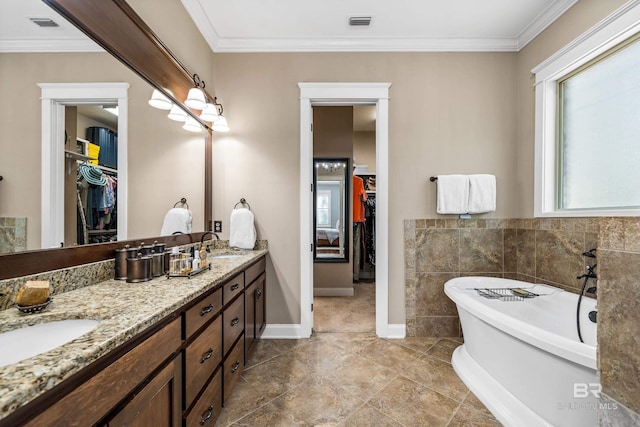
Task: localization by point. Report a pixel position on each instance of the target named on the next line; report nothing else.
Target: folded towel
(242, 232)
(176, 220)
(482, 193)
(453, 194)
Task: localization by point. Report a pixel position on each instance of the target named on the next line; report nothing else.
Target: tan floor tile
(473, 400)
(443, 349)
(317, 402)
(360, 377)
(346, 314)
(368, 416)
(413, 404)
(320, 356)
(269, 415)
(468, 416)
(268, 349)
(389, 354)
(437, 375)
(351, 342)
(420, 344)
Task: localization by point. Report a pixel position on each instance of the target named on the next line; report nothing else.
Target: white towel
(482, 193)
(242, 232)
(453, 194)
(177, 219)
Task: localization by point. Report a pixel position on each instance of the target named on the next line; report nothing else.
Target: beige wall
(165, 162)
(582, 16)
(364, 149)
(440, 121)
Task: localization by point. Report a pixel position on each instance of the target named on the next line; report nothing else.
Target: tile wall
(533, 250)
(13, 235)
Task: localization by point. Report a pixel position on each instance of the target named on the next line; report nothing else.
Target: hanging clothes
(359, 197)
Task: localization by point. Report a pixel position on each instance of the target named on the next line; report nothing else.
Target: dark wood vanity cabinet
(177, 373)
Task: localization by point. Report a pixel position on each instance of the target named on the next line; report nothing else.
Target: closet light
(221, 125)
(210, 113)
(196, 99)
(160, 101)
(177, 114)
(192, 125)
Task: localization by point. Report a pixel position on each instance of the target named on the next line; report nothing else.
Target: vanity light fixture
(160, 101)
(221, 125)
(210, 113)
(192, 125)
(177, 114)
(196, 99)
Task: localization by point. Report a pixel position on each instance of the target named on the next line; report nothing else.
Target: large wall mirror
(331, 220)
(161, 154)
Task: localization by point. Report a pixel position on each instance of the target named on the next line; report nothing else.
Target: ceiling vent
(44, 22)
(359, 21)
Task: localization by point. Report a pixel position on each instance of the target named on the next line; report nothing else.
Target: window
(588, 123)
(599, 132)
(323, 209)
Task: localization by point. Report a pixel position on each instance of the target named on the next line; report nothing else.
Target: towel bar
(182, 201)
(433, 178)
(242, 201)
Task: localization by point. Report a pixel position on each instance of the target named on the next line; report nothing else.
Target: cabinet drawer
(233, 366)
(202, 357)
(255, 270)
(233, 323)
(232, 288)
(207, 409)
(202, 312)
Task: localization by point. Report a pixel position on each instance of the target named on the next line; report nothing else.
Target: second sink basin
(226, 256)
(23, 343)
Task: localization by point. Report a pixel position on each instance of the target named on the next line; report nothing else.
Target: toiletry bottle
(203, 257)
(195, 264)
(175, 262)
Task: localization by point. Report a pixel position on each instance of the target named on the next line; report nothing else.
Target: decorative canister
(121, 261)
(157, 264)
(139, 268)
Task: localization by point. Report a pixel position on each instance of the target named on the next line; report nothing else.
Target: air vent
(44, 22)
(359, 21)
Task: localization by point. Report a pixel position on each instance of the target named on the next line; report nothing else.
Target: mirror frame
(140, 49)
(345, 210)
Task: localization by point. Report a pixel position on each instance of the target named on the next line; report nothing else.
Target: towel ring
(242, 201)
(182, 201)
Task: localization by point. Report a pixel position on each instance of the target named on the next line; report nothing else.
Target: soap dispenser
(196, 261)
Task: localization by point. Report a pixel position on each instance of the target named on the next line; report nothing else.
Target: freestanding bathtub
(523, 359)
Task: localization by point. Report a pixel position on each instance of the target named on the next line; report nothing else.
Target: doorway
(55, 97)
(312, 94)
(344, 146)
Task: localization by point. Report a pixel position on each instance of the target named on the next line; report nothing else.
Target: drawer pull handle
(207, 356)
(258, 293)
(235, 366)
(235, 286)
(235, 321)
(207, 416)
(206, 310)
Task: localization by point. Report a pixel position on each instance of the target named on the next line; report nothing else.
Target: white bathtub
(523, 359)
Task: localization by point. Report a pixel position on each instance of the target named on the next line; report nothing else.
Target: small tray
(191, 273)
(30, 309)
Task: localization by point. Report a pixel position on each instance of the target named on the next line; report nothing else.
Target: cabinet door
(249, 317)
(157, 404)
(261, 305)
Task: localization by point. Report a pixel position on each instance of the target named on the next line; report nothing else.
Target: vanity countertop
(123, 309)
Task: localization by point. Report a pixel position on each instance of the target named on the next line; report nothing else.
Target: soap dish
(30, 309)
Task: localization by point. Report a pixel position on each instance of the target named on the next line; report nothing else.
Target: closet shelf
(77, 156)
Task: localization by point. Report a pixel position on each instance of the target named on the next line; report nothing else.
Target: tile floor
(353, 378)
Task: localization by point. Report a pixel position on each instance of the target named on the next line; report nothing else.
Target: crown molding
(196, 11)
(542, 21)
(49, 45)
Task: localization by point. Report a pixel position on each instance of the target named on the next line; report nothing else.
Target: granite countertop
(123, 309)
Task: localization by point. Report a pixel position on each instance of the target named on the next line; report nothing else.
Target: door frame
(55, 96)
(344, 94)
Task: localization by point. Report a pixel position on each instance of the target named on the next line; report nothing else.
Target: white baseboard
(397, 331)
(333, 292)
(292, 331)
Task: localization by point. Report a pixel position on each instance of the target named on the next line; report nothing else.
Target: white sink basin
(227, 256)
(20, 344)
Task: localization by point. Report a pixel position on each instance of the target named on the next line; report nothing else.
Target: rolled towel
(242, 232)
(482, 193)
(177, 220)
(453, 194)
